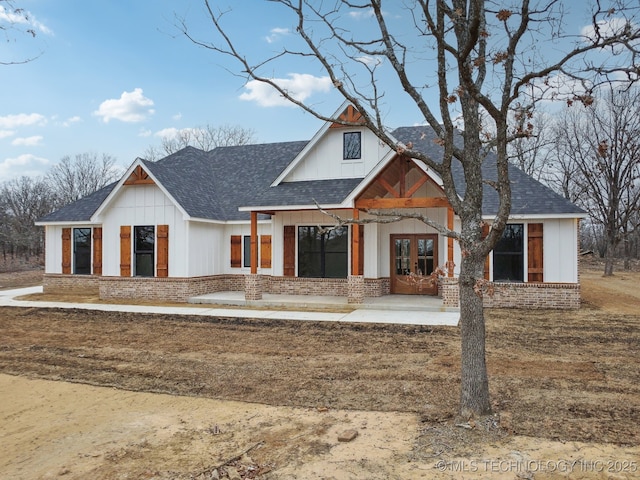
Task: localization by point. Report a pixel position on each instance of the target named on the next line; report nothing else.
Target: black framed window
(323, 255)
(82, 251)
(144, 250)
(247, 251)
(352, 146)
(508, 255)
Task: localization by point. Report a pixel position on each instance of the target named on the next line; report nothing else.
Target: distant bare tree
(601, 144)
(205, 138)
(23, 201)
(532, 152)
(77, 177)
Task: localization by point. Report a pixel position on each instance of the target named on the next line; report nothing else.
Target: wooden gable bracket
(139, 177)
(402, 193)
(351, 116)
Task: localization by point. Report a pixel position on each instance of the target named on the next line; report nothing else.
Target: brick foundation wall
(377, 287)
(448, 291)
(81, 284)
(534, 296)
(305, 286)
(167, 289)
(519, 295)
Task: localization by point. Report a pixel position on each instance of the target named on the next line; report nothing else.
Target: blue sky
(113, 75)
(110, 76)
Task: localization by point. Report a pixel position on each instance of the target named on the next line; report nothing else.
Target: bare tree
(602, 141)
(483, 60)
(23, 201)
(205, 138)
(14, 23)
(532, 153)
(77, 177)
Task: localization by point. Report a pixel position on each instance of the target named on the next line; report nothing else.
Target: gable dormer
(338, 150)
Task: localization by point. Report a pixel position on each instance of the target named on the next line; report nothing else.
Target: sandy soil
(268, 400)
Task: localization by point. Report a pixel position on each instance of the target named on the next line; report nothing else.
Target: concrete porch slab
(418, 303)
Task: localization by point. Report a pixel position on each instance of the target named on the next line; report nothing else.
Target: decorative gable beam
(350, 116)
(139, 177)
(390, 203)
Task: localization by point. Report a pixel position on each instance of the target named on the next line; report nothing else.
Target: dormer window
(352, 146)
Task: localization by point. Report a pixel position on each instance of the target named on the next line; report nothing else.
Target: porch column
(355, 281)
(450, 263)
(254, 243)
(253, 287)
(253, 282)
(355, 244)
(355, 286)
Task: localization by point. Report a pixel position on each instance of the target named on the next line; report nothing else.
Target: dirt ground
(238, 398)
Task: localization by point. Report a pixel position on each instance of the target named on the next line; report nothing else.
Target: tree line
(24, 200)
(590, 153)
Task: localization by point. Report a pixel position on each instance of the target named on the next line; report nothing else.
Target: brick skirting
(506, 295)
(168, 289)
(58, 283)
(519, 295)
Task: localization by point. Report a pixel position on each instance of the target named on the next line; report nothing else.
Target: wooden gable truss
(395, 187)
(139, 177)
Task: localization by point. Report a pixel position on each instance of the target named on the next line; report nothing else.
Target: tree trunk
(627, 253)
(609, 256)
(474, 391)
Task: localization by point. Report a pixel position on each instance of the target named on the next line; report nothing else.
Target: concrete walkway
(370, 314)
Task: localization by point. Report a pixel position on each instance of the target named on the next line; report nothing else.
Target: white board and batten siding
(560, 245)
(324, 161)
(140, 205)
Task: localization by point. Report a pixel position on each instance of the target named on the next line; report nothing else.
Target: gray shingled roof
(213, 185)
(81, 210)
(528, 196)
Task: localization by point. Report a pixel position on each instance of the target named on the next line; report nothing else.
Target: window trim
(521, 254)
(322, 253)
(89, 253)
(345, 144)
(137, 252)
(246, 251)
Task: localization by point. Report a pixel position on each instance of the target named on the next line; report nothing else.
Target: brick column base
(355, 287)
(450, 292)
(252, 287)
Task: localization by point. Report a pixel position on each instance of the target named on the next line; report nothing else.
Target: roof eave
(284, 208)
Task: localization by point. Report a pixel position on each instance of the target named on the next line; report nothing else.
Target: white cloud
(299, 85)
(131, 107)
(177, 116)
(7, 133)
(173, 133)
(23, 18)
(557, 87)
(70, 121)
(22, 120)
(27, 141)
(360, 13)
(167, 133)
(606, 28)
(369, 60)
(145, 132)
(276, 33)
(26, 164)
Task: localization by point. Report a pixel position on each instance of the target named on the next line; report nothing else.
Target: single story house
(246, 218)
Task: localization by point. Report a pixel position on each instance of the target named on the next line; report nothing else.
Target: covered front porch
(397, 253)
